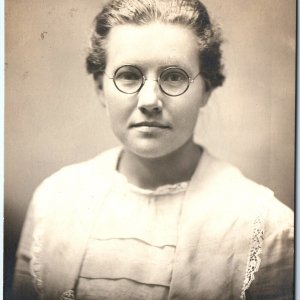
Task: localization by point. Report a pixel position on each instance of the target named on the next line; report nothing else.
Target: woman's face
(150, 123)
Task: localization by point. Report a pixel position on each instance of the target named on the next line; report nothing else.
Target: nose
(148, 98)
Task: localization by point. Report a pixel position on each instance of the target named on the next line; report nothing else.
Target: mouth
(154, 124)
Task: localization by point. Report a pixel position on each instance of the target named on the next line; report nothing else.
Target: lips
(151, 124)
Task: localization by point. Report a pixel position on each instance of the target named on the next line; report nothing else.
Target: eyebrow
(162, 65)
(163, 62)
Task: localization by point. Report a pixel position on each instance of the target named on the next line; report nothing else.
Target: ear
(99, 89)
(205, 97)
(205, 93)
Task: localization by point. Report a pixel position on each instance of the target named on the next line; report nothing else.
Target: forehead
(152, 45)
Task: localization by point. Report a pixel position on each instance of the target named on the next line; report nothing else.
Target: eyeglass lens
(172, 81)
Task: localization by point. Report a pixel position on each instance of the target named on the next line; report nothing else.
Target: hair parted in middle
(189, 13)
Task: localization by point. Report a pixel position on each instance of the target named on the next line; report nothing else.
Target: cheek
(187, 115)
(119, 109)
(116, 114)
(189, 120)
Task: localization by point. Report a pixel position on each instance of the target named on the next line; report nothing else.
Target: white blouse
(131, 249)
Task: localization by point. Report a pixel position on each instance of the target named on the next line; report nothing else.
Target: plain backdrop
(53, 116)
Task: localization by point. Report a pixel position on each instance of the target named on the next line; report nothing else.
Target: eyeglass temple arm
(193, 79)
(108, 76)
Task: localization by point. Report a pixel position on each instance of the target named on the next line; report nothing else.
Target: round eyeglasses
(172, 81)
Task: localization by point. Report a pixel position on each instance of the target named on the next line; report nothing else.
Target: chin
(149, 152)
(152, 150)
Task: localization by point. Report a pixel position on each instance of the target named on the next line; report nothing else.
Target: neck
(150, 173)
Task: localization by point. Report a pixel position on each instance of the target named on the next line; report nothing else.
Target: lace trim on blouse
(68, 295)
(161, 190)
(35, 266)
(255, 251)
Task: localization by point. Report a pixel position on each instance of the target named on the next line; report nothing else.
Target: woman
(160, 218)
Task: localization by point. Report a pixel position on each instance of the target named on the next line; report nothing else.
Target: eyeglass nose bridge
(152, 79)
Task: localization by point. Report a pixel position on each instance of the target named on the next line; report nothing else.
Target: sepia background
(53, 116)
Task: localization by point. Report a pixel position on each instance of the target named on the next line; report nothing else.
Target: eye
(128, 75)
(174, 77)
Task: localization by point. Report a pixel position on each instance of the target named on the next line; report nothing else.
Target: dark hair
(190, 13)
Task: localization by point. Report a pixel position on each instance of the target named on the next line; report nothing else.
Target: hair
(190, 13)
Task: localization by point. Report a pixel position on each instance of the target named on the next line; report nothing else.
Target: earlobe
(102, 99)
(101, 96)
(206, 93)
(99, 89)
(207, 96)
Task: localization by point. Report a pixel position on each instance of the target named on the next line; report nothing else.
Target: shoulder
(223, 181)
(239, 196)
(227, 177)
(83, 172)
(68, 184)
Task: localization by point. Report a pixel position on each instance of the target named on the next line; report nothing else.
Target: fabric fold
(129, 259)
